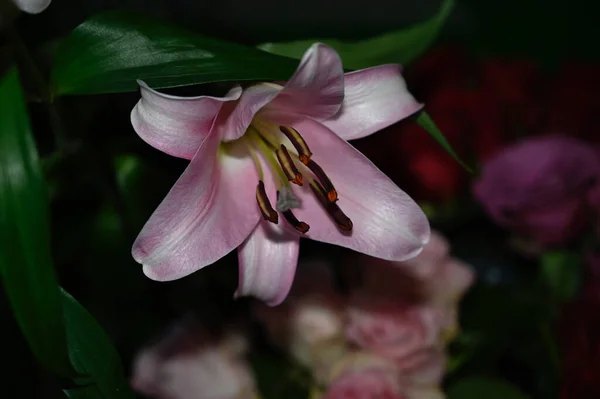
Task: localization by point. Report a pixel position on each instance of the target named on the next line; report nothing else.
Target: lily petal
(32, 6)
(374, 98)
(235, 118)
(316, 89)
(209, 212)
(176, 125)
(388, 224)
(267, 264)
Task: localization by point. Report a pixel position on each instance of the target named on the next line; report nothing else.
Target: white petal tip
(161, 274)
(32, 7)
(151, 273)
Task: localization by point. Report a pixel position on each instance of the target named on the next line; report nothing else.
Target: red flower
(479, 107)
(571, 101)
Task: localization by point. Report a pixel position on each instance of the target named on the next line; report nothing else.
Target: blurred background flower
(400, 317)
(540, 188)
(188, 363)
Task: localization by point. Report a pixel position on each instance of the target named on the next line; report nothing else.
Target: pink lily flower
(273, 150)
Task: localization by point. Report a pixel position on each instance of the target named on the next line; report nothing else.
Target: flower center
(264, 139)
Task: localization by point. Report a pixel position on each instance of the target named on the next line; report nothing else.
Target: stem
(105, 170)
(550, 342)
(28, 65)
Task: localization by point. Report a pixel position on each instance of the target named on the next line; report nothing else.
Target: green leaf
(107, 53)
(87, 392)
(93, 354)
(278, 378)
(425, 121)
(561, 272)
(25, 259)
(401, 46)
(483, 387)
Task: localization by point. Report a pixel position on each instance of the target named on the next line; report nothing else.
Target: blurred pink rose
(366, 384)
(364, 375)
(426, 367)
(427, 264)
(538, 187)
(309, 324)
(392, 329)
(433, 280)
(408, 311)
(186, 365)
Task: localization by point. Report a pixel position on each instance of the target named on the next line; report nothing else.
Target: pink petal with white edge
(374, 98)
(388, 224)
(234, 119)
(316, 89)
(176, 125)
(267, 264)
(209, 212)
(32, 6)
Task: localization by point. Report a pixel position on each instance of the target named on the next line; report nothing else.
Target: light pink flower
(366, 384)
(393, 329)
(425, 367)
(363, 375)
(451, 282)
(309, 324)
(32, 6)
(184, 365)
(232, 143)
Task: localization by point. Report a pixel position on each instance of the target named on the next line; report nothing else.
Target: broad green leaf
(561, 272)
(483, 387)
(425, 121)
(93, 354)
(401, 46)
(107, 53)
(25, 260)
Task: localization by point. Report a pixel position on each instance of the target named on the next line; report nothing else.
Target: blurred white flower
(186, 365)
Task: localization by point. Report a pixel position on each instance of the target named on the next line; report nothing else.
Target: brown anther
(291, 219)
(342, 221)
(264, 204)
(287, 164)
(330, 191)
(298, 142)
(339, 217)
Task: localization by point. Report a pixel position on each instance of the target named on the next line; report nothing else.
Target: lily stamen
(339, 217)
(298, 142)
(264, 204)
(330, 191)
(265, 148)
(287, 164)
